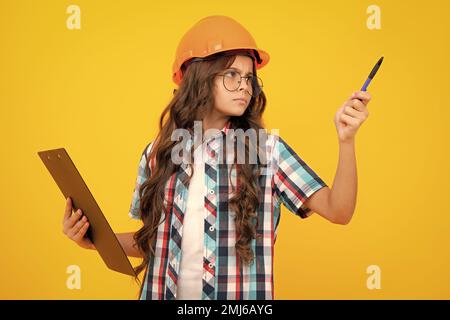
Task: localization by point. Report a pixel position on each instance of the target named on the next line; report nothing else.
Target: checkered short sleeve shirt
(286, 180)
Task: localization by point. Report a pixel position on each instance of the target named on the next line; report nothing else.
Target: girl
(209, 227)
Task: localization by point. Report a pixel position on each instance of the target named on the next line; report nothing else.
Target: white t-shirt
(190, 278)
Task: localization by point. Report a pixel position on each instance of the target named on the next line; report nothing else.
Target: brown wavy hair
(190, 103)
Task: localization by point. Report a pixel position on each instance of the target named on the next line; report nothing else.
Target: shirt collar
(224, 131)
(212, 142)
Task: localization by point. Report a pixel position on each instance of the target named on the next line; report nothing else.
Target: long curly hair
(190, 103)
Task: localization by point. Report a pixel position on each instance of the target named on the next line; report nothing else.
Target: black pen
(372, 74)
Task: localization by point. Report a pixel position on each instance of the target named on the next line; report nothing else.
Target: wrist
(347, 142)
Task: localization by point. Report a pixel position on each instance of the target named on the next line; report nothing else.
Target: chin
(236, 111)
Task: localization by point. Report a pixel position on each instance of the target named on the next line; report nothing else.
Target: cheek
(224, 104)
(221, 98)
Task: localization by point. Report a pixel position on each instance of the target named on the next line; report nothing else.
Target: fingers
(364, 96)
(74, 230)
(68, 210)
(81, 232)
(358, 106)
(70, 222)
(348, 120)
(76, 225)
(351, 111)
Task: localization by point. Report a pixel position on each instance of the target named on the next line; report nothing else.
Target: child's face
(225, 102)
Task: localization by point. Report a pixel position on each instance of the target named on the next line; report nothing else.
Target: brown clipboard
(71, 184)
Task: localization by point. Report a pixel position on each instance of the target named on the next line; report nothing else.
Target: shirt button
(210, 265)
(211, 228)
(211, 191)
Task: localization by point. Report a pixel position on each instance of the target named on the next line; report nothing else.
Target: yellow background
(99, 92)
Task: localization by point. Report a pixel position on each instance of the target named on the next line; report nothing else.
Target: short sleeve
(293, 180)
(140, 179)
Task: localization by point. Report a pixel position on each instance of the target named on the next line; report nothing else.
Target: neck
(214, 121)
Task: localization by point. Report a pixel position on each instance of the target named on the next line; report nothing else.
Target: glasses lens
(231, 80)
(256, 86)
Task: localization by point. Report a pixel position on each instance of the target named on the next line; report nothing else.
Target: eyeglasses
(232, 81)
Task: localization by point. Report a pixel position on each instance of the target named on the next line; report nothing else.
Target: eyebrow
(241, 70)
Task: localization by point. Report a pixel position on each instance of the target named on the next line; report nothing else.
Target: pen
(372, 74)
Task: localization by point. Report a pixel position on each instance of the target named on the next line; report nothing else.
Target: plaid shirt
(286, 180)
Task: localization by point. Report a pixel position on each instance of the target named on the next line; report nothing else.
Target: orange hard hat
(212, 35)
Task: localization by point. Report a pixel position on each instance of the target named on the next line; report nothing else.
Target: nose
(245, 86)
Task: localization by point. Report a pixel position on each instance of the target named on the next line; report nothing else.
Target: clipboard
(71, 184)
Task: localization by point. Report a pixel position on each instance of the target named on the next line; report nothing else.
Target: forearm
(344, 191)
(128, 244)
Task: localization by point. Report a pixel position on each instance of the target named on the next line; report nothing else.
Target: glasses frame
(258, 79)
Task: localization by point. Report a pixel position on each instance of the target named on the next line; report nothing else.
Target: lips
(241, 99)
